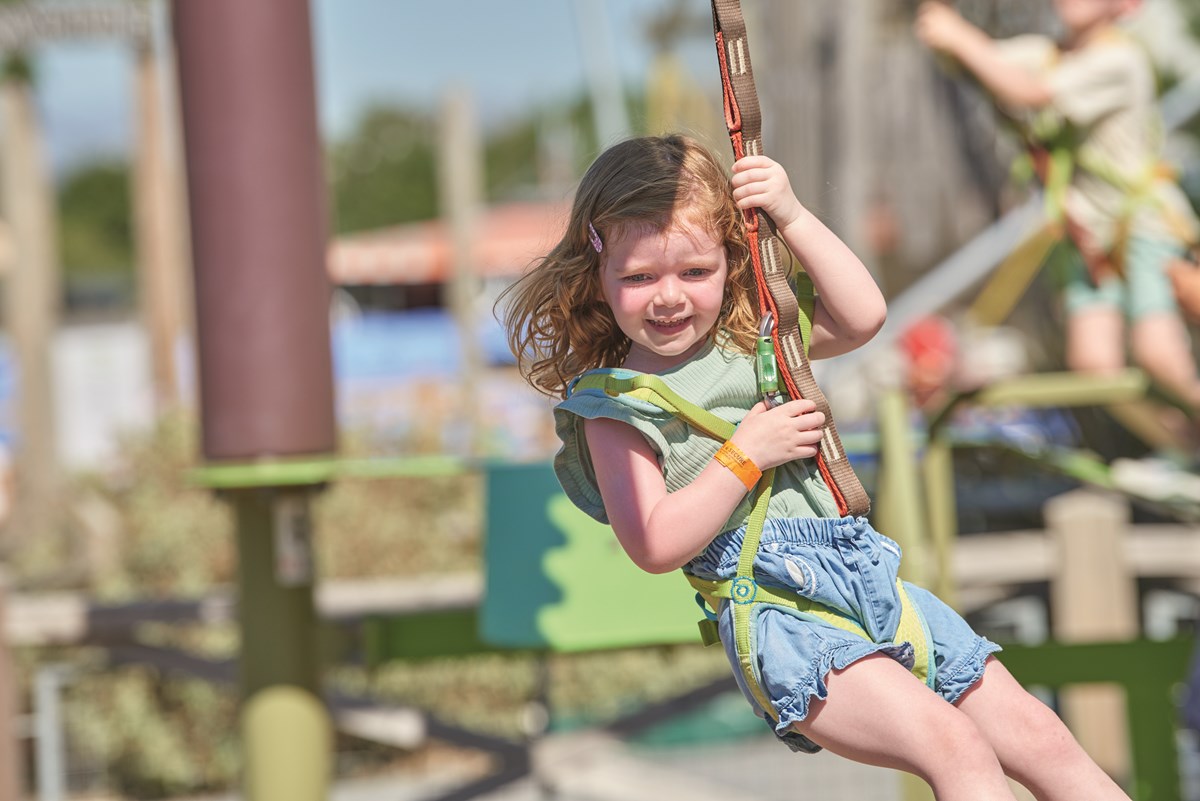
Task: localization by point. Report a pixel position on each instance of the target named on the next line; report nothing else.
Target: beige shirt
(1106, 93)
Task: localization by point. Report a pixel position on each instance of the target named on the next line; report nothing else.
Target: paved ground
(757, 768)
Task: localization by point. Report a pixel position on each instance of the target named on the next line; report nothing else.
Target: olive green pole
(937, 471)
(899, 495)
(900, 516)
(287, 735)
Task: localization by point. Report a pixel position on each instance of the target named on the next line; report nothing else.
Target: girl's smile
(665, 289)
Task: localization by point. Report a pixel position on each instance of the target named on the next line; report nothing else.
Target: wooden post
(10, 762)
(32, 299)
(161, 246)
(854, 163)
(460, 184)
(1093, 599)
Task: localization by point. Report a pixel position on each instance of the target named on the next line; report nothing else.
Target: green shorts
(1145, 289)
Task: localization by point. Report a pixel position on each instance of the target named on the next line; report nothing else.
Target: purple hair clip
(595, 238)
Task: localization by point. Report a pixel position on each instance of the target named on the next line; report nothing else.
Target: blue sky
(508, 55)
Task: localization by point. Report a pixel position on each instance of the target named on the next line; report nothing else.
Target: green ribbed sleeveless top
(721, 381)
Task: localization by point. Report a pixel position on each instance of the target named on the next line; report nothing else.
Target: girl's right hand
(788, 432)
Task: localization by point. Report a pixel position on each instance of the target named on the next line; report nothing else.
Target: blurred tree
(95, 232)
(540, 152)
(512, 159)
(675, 100)
(383, 173)
(1191, 9)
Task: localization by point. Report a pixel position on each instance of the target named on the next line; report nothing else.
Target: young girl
(652, 277)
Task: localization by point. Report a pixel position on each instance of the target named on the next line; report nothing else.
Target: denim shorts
(848, 566)
(1145, 289)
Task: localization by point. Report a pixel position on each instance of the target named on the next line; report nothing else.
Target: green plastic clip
(765, 363)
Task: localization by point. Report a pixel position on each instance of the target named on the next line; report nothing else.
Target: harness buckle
(743, 590)
(766, 365)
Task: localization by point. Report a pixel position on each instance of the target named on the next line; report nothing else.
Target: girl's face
(665, 289)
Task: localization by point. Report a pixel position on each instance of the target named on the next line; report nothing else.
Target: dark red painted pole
(256, 189)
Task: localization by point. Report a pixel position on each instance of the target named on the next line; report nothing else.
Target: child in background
(1127, 219)
(652, 278)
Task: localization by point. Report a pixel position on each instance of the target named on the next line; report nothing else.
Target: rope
(743, 119)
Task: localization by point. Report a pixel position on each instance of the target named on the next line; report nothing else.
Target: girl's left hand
(939, 26)
(759, 182)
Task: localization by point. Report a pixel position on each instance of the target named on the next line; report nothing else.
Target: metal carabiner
(766, 365)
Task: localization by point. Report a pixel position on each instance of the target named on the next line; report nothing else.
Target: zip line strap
(743, 119)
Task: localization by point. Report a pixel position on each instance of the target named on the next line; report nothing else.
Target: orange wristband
(739, 464)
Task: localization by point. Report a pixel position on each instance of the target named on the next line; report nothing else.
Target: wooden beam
(67, 618)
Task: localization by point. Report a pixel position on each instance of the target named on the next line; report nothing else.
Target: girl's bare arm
(850, 308)
(943, 29)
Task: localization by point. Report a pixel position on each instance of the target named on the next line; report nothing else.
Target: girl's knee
(958, 733)
(1094, 361)
(960, 746)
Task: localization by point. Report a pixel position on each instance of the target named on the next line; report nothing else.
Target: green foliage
(95, 222)
(396, 528)
(512, 153)
(157, 737)
(1191, 11)
(177, 539)
(384, 173)
(512, 159)
(493, 692)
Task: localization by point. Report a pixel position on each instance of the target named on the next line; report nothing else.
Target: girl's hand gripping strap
(744, 121)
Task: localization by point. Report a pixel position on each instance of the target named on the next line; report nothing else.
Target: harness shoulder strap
(653, 389)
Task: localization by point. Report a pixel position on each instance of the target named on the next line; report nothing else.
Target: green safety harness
(743, 591)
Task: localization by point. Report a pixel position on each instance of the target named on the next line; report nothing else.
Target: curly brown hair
(557, 321)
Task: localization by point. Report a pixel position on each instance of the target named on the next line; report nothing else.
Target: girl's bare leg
(1096, 340)
(878, 713)
(1032, 743)
(1160, 345)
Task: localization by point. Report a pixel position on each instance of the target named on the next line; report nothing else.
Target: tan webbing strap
(744, 121)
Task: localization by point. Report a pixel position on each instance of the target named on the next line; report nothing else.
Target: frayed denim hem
(794, 708)
(966, 672)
